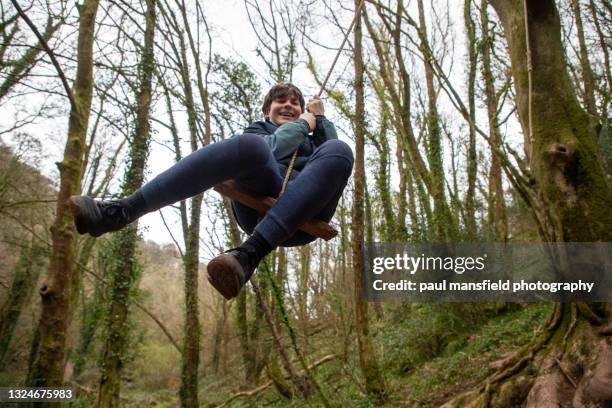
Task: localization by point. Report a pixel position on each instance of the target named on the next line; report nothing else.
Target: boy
(257, 160)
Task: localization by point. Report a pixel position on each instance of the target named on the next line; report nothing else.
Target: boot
(229, 271)
(96, 217)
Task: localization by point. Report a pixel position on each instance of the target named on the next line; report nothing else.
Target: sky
(232, 37)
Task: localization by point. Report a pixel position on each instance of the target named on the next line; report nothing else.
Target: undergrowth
(441, 350)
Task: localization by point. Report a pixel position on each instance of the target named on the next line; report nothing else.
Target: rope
(323, 84)
(289, 170)
(348, 32)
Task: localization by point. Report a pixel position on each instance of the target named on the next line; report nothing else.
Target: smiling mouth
(287, 115)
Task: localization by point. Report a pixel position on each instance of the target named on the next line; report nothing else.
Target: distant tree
(124, 269)
(497, 219)
(472, 168)
(370, 368)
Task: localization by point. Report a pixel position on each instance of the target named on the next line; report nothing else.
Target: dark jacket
(284, 139)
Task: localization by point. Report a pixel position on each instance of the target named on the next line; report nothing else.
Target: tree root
(569, 360)
(596, 384)
(588, 314)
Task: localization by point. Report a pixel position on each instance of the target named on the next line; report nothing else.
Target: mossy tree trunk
(497, 219)
(303, 285)
(191, 339)
(191, 262)
(563, 148)
(219, 337)
(124, 269)
(443, 221)
(47, 368)
(27, 271)
(369, 237)
(92, 315)
(570, 362)
(369, 365)
(273, 369)
(472, 48)
(182, 41)
(394, 94)
(394, 71)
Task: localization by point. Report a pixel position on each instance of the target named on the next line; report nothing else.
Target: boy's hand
(310, 118)
(315, 106)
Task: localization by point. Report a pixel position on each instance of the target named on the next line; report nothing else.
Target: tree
(369, 365)
(48, 362)
(561, 144)
(27, 270)
(559, 135)
(470, 216)
(124, 268)
(444, 225)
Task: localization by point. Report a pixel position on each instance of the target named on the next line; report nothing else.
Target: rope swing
(262, 204)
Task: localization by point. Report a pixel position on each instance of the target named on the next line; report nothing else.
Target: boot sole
(75, 204)
(224, 275)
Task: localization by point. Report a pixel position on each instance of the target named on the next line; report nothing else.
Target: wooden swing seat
(262, 204)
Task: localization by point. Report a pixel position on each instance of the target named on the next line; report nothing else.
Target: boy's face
(284, 110)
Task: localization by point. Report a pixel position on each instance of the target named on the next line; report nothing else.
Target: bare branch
(49, 52)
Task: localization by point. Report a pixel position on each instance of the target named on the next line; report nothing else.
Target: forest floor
(464, 355)
(470, 358)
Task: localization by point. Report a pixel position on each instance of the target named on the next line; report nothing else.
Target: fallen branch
(263, 387)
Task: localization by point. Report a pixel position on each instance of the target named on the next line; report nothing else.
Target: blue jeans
(312, 193)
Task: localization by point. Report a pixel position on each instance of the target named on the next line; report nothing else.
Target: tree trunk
(443, 223)
(302, 289)
(27, 271)
(369, 364)
(124, 270)
(284, 354)
(91, 320)
(497, 219)
(400, 100)
(564, 154)
(47, 369)
(219, 337)
(470, 211)
(191, 339)
(242, 327)
(369, 237)
(607, 96)
(585, 65)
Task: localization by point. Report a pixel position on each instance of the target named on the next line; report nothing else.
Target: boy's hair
(281, 91)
